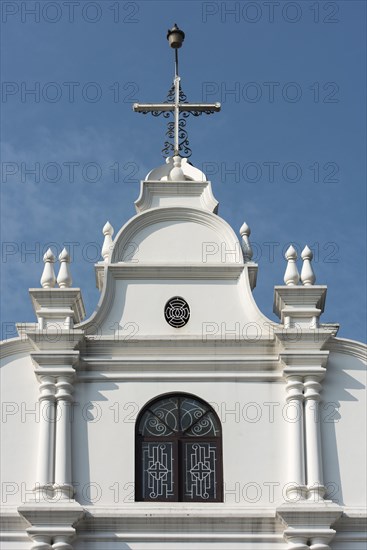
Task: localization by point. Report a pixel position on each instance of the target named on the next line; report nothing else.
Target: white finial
(107, 243)
(176, 174)
(291, 275)
(48, 279)
(307, 274)
(245, 233)
(64, 279)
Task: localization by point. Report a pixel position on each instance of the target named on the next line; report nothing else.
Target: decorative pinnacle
(307, 274)
(48, 279)
(291, 276)
(175, 36)
(176, 174)
(108, 243)
(64, 279)
(245, 232)
(107, 229)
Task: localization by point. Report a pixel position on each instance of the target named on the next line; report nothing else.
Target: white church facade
(178, 416)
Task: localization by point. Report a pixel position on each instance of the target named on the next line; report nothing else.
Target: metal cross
(176, 103)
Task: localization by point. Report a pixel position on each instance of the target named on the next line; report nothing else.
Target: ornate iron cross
(177, 104)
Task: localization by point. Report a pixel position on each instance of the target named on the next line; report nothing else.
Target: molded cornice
(152, 191)
(348, 347)
(175, 214)
(13, 346)
(128, 270)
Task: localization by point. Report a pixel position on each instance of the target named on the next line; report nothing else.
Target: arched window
(178, 451)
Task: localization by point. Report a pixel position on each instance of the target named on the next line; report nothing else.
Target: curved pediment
(175, 235)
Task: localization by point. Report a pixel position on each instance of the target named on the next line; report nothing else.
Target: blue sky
(286, 154)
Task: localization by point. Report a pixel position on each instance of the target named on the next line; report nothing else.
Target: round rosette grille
(177, 312)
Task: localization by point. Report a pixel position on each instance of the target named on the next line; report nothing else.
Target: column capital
(312, 387)
(294, 387)
(47, 387)
(40, 542)
(309, 374)
(51, 338)
(61, 543)
(304, 339)
(65, 388)
(298, 538)
(305, 360)
(56, 364)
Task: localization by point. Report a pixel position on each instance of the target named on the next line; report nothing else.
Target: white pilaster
(316, 490)
(55, 341)
(296, 463)
(46, 443)
(63, 470)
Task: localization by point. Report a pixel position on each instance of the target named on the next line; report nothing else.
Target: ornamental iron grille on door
(178, 451)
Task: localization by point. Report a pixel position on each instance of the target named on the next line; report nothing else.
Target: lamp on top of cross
(177, 104)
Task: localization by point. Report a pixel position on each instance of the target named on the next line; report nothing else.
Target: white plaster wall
(254, 438)
(19, 428)
(346, 544)
(178, 235)
(344, 427)
(216, 307)
(179, 241)
(16, 544)
(117, 545)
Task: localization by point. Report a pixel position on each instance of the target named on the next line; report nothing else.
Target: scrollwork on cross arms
(183, 145)
(167, 149)
(183, 137)
(166, 114)
(171, 94)
(198, 113)
(170, 130)
(182, 96)
(184, 149)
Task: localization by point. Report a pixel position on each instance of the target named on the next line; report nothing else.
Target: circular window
(177, 312)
